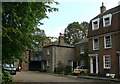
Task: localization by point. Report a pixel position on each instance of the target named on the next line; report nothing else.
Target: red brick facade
(114, 31)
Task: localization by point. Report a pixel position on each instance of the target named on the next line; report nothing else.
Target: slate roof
(82, 41)
(112, 10)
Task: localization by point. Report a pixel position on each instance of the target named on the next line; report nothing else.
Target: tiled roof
(112, 10)
(82, 41)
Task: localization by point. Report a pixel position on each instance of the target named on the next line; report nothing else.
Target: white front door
(93, 63)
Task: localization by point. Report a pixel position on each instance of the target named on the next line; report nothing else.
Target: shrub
(7, 78)
(60, 68)
(68, 70)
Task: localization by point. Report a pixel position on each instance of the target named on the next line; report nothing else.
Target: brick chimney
(61, 39)
(102, 8)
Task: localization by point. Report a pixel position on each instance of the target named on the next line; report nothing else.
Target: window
(95, 44)
(81, 49)
(107, 20)
(95, 24)
(106, 61)
(107, 41)
(47, 63)
(48, 52)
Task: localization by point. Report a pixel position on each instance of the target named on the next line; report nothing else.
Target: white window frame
(81, 49)
(47, 63)
(105, 45)
(110, 19)
(94, 44)
(48, 52)
(93, 26)
(105, 64)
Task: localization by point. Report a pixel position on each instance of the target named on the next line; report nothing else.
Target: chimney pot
(61, 39)
(102, 8)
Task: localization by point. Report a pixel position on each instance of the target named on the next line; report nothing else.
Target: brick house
(104, 39)
(56, 52)
(81, 53)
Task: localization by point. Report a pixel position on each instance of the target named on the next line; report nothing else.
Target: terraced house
(104, 42)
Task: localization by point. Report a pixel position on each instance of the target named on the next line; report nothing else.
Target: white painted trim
(105, 42)
(104, 62)
(93, 23)
(91, 65)
(107, 16)
(91, 62)
(93, 43)
(96, 64)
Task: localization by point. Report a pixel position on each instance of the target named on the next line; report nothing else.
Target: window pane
(106, 61)
(96, 44)
(108, 41)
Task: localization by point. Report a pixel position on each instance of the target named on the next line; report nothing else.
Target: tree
(75, 32)
(18, 22)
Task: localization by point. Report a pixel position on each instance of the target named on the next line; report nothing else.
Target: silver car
(10, 68)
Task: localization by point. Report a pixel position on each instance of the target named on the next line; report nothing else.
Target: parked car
(10, 68)
(80, 70)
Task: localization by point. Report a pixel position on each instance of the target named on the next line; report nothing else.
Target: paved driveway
(31, 76)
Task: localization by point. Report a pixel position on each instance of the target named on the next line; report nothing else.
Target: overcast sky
(73, 10)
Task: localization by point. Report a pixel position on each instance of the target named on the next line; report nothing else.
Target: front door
(94, 65)
(119, 62)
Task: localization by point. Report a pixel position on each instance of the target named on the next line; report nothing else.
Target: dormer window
(107, 20)
(95, 24)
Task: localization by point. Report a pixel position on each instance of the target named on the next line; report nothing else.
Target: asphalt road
(39, 78)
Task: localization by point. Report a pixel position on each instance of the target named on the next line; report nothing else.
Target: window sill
(95, 29)
(82, 53)
(95, 49)
(107, 68)
(106, 25)
(108, 47)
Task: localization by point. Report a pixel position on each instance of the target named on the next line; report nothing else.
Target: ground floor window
(106, 61)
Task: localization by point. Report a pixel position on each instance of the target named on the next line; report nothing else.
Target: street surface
(33, 76)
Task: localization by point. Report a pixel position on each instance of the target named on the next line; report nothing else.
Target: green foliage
(7, 78)
(68, 70)
(60, 68)
(75, 32)
(19, 20)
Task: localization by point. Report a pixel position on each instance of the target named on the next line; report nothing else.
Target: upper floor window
(106, 61)
(107, 20)
(95, 44)
(81, 49)
(95, 24)
(107, 41)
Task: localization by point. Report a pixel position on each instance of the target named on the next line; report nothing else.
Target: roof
(112, 10)
(84, 40)
(56, 43)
